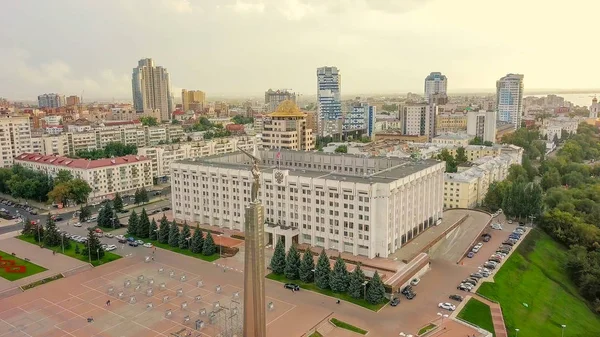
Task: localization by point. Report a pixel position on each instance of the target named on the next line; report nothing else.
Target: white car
(77, 224)
(497, 226)
(476, 249)
(75, 237)
(447, 306)
(110, 247)
(415, 281)
(148, 245)
(510, 221)
(140, 242)
(109, 235)
(120, 237)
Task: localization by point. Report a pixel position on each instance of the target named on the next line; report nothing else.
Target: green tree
(149, 121)
(144, 195)
(278, 259)
(185, 236)
(118, 203)
(164, 230)
(449, 159)
(197, 241)
(322, 271)
(63, 177)
(153, 230)
(341, 149)
(174, 235)
(51, 235)
(77, 249)
(133, 224)
(292, 264)
(79, 190)
(93, 246)
(375, 290)
(355, 286)
(517, 171)
(208, 247)
(105, 217)
(85, 212)
(137, 197)
(306, 267)
(65, 242)
(461, 156)
(59, 194)
(143, 230)
(338, 281)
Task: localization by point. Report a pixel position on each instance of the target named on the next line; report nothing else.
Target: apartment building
(51, 101)
(418, 119)
(286, 129)
(482, 124)
(458, 139)
(555, 127)
(473, 152)
(368, 206)
(509, 99)
(106, 177)
(193, 100)
(15, 138)
(273, 98)
(451, 123)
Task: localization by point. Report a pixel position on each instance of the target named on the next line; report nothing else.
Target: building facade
(458, 139)
(193, 100)
(368, 206)
(451, 123)
(151, 86)
(361, 116)
(329, 100)
(73, 100)
(51, 101)
(15, 138)
(482, 124)
(418, 119)
(594, 108)
(286, 129)
(273, 98)
(509, 99)
(436, 88)
(106, 177)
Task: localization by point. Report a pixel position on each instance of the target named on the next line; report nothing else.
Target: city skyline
(478, 50)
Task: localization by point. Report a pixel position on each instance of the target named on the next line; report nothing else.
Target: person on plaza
(108, 303)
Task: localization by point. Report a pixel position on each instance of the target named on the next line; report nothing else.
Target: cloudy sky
(248, 46)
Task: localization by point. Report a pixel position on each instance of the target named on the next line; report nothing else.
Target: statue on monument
(255, 173)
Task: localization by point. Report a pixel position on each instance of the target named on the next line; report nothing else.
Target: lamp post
(89, 244)
(442, 316)
(98, 254)
(563, 326)
(517, 331)
(365, 290)
(531, 217)
(38, 230)
(62, 242)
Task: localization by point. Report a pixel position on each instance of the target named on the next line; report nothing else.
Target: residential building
(273, 98)
(361, 116)
(73, 100)
(556, 126)
(436, 88)
(594, 108)
(367, 206)
(482, 124)
(53, 119)
(286, 129)
(455, 123)
(106, 177)
(125, 114)
(458, 139)
(329, 101)
(193, 100)
(418, 119)
(15, 138)
(51, 101)
(473, 152)
(151, 87)
(509, 99)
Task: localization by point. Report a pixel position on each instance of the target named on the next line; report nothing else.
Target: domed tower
(594, 108)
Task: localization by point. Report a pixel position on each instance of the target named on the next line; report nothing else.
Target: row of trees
(149, 121)
(66, 187)
(339, 280)
(239, 119)
(112, 149)
(169, 233)
(452, 162)
(21, 182)
(479, 141)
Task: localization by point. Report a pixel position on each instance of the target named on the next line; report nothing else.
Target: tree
(292, 264)
(185, 236)
(144, 195)
(278, 259)
(85, 212)
(375, 290)
(132, 224)
(65, 242)
(153, 231)
(93, 246)
(106, 217)
(494, 198)
(338, 281)
(51, 235)
(118, 203)
(322, 271)
(137, 198)
(355, 286)
(163, 231)
(143, 229)
(197, 241)
(517, 171)
(306, 267)
(341, 149)
(63, 177)
(60, 193)
(461, 156)
(173, 235)
(77, 249)
(79, 190)
(149, 121)
(449, 159)
(208, 247)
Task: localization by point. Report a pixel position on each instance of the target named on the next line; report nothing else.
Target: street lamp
(442, 316)
(98, 254)
(62, 242)
(365, 289)
(517, 330)
(89, 251)
(563, 326)
(531, 217)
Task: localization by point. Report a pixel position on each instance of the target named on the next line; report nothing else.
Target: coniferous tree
(185, 236)
(278, 259)
(153, 230)
(338, 281)
(197, 241)
(174, 235)
(136, 198)
(101, 221)
(85, 213)
(143, 229)
(163, 232)
(144, 195)
(132, 224)
(306, 267)
(355, 286)
(322, 271)
(118, 203)
(51, 235)
(375, 290)
(292, 264)
(93, 246)
(38, 232)
(77, 249)
(66, 243)
(208, 247)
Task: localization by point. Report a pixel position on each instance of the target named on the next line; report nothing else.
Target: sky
(235, 47)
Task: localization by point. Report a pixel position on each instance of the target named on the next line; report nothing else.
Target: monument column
(255, 324)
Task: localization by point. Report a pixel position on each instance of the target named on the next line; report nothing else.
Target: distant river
(577, 99)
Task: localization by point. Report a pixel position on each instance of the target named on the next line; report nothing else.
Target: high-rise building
(329, 101)
(419, 119)
(361, 116)
(273, 98)
(436, 86)
(287, 129)
(192, 100)
(594, 108)
(509, 99)
(482, 124)
(73, 100)
(51, 101)
(15, 132)
(151, 87)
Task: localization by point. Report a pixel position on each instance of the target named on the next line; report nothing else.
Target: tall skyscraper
(482, 124)
(509, 99)
(151, 88)
(51, 101)
(273, 98)
(16, 138)
(286, 129)
(329, 101)
(192, 99)
(436, 88)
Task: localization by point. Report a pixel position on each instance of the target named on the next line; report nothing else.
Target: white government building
(366, 206)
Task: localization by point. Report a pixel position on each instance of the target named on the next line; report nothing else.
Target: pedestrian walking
(108, 303)
(153, 258)
(53, 252)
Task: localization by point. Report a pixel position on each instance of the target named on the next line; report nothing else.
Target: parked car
(133, 244)
(131, 239)
(293, 286)
(410, 295)
(475, 249)
(476, 275)
(495, 259)
(148, 245)
(406, 290)
(510, 221)
(497, 226)
(166, 208)
(139, 242)
(456, 298)
(470, 255)
(77, 224)
(447, 306)
(109, 235)
(110, 247)
(415, 281)
(122, 240)
(487, 237)
(58, 218)
(119, 237)
(470, 281)
(395, 301)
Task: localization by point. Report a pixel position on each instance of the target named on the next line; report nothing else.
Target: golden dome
(287, 109)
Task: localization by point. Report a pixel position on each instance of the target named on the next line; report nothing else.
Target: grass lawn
(108, 256)
(479, 314)
(187, 252)
(327, 292)
(31, 269)
(535, 274)
(316, 334)
(426, 328)
(347, 326)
